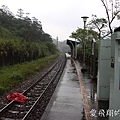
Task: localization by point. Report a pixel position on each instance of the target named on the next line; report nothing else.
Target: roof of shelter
(73, 41)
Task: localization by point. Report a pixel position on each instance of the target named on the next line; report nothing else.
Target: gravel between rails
(24, 85)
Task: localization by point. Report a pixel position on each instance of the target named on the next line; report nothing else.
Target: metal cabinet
(114, 102)
(104, 58)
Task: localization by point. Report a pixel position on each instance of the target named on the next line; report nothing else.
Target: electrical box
(114, 102)
(104, 59)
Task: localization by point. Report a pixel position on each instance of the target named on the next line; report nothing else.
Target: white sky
(58, 17)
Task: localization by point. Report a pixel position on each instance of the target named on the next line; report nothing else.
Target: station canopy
(72, 41)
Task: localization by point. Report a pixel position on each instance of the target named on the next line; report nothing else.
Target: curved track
(39, 94)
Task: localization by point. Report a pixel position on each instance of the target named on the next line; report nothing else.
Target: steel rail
(4, 109)
(41, 96)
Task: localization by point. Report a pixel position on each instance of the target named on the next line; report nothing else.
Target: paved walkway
(67, 102)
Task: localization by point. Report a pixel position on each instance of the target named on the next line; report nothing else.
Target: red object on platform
(18, 97)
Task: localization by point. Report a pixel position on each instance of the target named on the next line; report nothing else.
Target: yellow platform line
(84, 94)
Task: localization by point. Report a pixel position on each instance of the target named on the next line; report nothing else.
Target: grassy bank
(13, 75)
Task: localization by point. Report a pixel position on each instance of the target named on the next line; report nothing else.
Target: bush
(16, 76)
(13, 75)
(14, 52)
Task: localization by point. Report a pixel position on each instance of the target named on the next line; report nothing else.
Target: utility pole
(57, 42)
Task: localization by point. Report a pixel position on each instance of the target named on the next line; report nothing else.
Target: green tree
(100, 25)
(22, 39)
(112, 9)
(20, 13)
(104, 26)
(79, 35)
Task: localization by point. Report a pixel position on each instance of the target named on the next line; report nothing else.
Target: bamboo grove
(22, 38)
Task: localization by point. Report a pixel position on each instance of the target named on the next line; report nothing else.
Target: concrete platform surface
(66, 102)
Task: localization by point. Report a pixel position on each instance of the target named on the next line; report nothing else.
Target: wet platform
(68, 101)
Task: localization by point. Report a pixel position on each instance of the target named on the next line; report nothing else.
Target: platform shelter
(73, 46)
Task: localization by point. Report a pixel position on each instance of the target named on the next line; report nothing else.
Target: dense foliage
(87, 35)
(21, 38)
(13, 75)
(22, 27)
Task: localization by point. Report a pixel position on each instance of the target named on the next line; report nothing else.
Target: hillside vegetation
(22, 38)
(13, 75)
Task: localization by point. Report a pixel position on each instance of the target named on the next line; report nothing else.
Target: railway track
(39, 94)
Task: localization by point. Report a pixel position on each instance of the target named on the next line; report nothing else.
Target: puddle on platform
(71, 71)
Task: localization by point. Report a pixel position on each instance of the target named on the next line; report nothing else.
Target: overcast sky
(58, 17)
